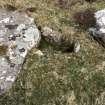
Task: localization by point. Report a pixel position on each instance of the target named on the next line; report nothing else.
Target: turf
(59, 78)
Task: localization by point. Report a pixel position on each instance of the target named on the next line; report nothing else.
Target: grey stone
(57, 39)
(19, 33)
(51, 36)
(76, 46)
(98, 32)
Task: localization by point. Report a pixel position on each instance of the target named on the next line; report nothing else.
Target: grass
(3, 49)
(59, 78)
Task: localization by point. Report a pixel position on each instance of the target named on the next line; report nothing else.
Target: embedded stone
(18, 35)
(98, 32)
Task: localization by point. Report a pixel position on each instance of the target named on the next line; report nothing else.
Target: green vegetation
(3, 49)
(59, 78)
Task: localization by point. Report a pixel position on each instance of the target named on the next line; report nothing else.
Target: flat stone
(20, 34)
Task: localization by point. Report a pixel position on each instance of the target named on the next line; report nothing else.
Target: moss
(3, 49)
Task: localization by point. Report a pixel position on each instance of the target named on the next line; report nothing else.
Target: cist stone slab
(18, 35)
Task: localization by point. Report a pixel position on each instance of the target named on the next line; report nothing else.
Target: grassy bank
(59, 78)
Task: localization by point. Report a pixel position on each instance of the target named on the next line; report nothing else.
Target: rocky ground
(56, 77)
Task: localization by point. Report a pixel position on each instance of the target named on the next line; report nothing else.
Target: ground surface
(59, 78)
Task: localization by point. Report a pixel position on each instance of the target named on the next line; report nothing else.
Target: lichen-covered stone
(51, 36)
(98, 32)
(57, 39)
(18, 35)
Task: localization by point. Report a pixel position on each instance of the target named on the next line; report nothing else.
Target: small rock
(39, 53)
(76, 47)
(98, 32)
